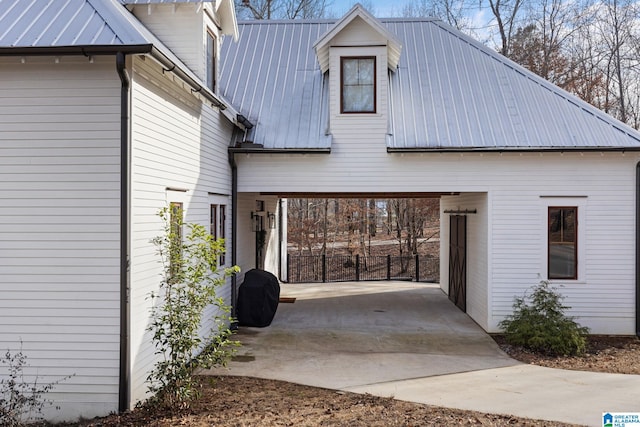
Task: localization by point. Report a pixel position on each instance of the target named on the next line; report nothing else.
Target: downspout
(234, 235)
(638, 249)
(123, 391)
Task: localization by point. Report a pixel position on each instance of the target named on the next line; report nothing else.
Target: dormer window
(211, 61)
(358, 84)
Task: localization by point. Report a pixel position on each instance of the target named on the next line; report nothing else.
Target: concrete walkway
(406, 340)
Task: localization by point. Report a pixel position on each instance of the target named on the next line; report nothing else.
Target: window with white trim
(563, 222)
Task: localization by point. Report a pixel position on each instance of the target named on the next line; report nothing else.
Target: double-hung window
(358, 84)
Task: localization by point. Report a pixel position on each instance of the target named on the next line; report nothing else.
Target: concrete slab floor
(407, 340)
(339, 335)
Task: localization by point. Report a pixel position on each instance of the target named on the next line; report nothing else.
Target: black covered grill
(258, 298)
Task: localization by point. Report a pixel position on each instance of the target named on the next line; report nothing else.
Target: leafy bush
(190, 279)
(21, 401)
(538, 323)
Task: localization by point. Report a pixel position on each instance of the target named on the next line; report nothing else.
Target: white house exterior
(111, 109)
(103, 123)
(450, 118)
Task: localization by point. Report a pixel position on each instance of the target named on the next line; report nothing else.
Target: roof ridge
(287, 21)
(327, 21)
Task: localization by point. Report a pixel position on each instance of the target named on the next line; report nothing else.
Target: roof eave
(241, 150)
(142, 49)
(83, 50)
(511, 150)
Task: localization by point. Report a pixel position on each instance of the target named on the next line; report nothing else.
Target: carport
(463, 239)
(444, 115)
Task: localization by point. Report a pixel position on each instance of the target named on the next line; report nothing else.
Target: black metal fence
(346, 268)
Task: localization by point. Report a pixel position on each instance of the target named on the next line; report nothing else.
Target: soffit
(356, 17)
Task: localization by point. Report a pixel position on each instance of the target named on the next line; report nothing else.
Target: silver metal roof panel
(56, 23)
(272, 76)
(449, 92)
(163, 1)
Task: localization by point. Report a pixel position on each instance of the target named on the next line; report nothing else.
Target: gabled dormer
(193, 30)
(358, 53)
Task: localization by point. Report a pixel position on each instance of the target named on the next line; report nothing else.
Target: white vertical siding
(514, 184)
(59, 226)
(177, 144)
(477, 251)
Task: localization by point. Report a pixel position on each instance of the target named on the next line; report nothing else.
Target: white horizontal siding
(180, 28)
(514, 183)
(477, 254)
(59, 226)
(177, 143)
(246, 238)
(362, 129)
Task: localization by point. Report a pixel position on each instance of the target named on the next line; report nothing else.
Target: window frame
(222, 220)
(217, 226)
(375, 88)
(576, 240)
(176, 223)
(211, 43)
(213, 221)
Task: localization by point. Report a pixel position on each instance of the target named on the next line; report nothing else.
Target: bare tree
(282, 9)
(506, 14)
(453, 12)
(408, 220)
(617, 26)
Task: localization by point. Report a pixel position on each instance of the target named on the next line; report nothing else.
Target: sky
(480, 20)
(382, 8)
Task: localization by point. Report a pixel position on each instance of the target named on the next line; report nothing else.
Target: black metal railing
(345, 268)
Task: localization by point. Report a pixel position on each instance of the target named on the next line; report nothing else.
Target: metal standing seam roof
(88, 27)
(449, 92)
(272, 76)
(66, 23)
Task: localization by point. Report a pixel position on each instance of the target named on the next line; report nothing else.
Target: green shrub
(189, 283)
(538, 323)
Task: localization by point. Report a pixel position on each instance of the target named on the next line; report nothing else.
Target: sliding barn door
(458, 261)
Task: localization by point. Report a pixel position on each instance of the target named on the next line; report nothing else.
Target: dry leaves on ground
(252, 402)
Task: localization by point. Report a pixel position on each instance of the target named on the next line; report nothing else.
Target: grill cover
(258, 298)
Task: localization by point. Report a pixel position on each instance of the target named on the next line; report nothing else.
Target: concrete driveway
(406, 340)
(341, 335)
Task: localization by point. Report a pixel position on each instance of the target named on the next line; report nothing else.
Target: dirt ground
(243, 401)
